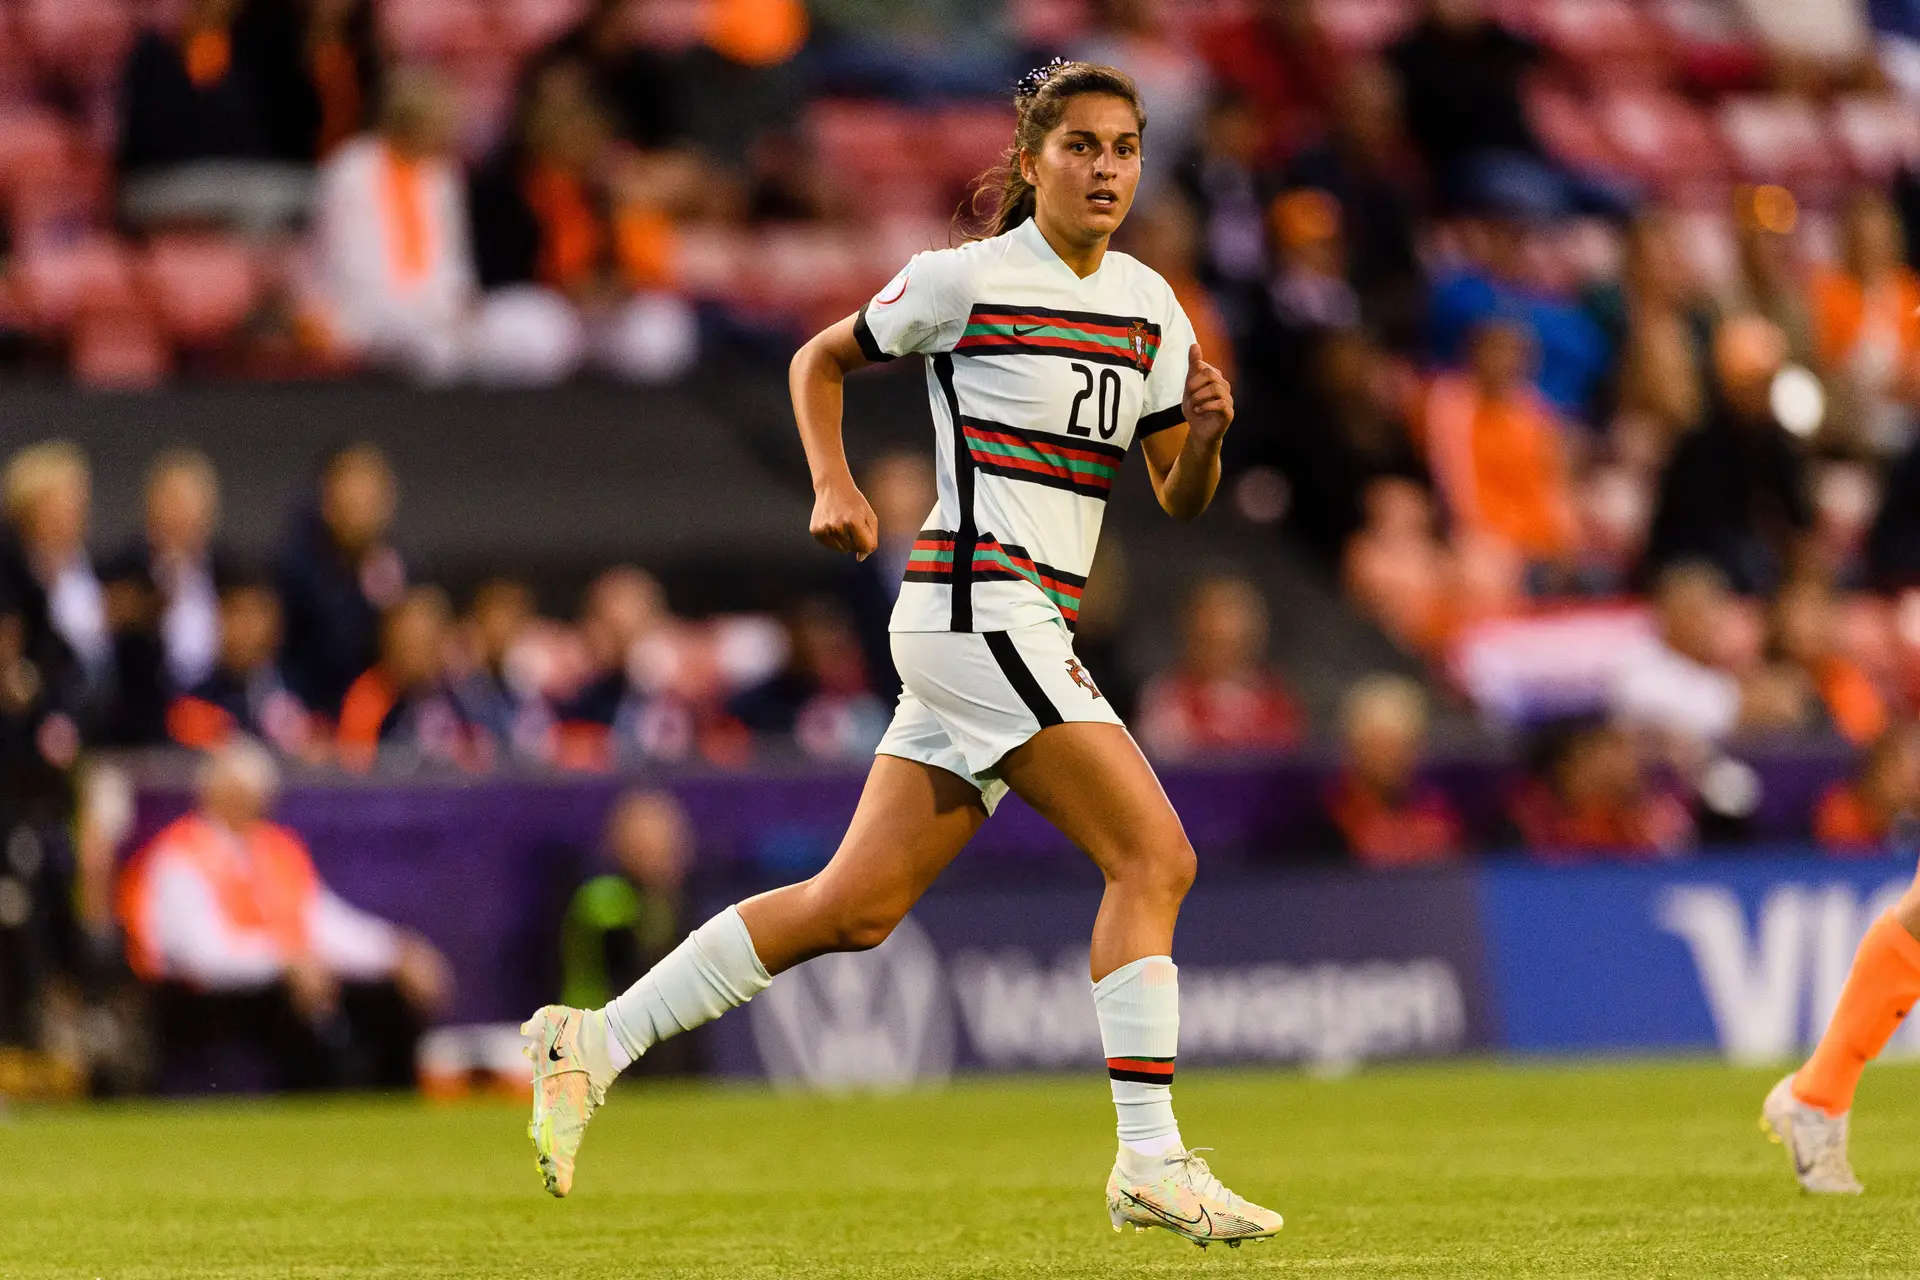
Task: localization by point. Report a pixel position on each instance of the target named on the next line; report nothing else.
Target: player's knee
(858, 922)
(1163, 868)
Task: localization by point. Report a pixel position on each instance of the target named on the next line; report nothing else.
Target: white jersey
(1039, 382)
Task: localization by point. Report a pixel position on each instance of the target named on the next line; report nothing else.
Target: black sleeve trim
(869, 345)
(1171, 416)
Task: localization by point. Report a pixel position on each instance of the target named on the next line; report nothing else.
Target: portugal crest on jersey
(1082, 677)
(1137, 343)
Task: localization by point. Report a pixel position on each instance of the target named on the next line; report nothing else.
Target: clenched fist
(844, 521)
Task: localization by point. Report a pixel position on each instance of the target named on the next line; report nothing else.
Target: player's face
(1088, 168)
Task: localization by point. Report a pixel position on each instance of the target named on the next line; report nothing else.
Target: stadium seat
(1663, 139)
(1362, 27)
(84, 41)
(119, 349)
(33, 142)
(1778, 138)
(61, 281)
(871, 146)
(1882, 135)
(202, 287)
(436, 30)
(527, 25)
(970, 140)
(1567, 124)
(1612, 41)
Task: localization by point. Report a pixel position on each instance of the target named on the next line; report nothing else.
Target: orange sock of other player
(1883, 985)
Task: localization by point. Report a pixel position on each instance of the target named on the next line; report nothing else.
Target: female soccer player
(1809, 1110)
(1047, 356)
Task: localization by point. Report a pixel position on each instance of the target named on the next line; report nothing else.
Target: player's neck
(1081, 259)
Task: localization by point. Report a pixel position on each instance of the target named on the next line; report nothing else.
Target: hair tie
(1035, 80)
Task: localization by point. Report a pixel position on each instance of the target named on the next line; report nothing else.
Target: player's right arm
(923, 309)
(842, 518)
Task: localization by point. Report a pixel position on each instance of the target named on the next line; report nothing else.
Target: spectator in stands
(1588, 795)
(1496, 456)
(48, 490)
(1364, 162)
(1173, 81)
(1222, 695)
(1341, 439)
(245, 692)
(1678, 686)
(625, 919)
(1867, 329)
(226, 916)
(177, 555)
(1308, 296)
(1461, 72)
(1166, 236)
(1878, 811)
(1734, 493)
(394, 262)
(1497, 276)
(1276, 55)
(1806, 639)
(1227, 183)
(337, 574)
(1893, 542)
(559, 210)
(494, 693)
(1659, 323)
(326, 73)
(189, 95)
(1378, 811)
(403, 709)
(819, 697)
(1398, 569)
(613, 713)
(900, 487)
(637, 87)
(1768, 280)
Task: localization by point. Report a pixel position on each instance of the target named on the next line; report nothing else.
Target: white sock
(713, 971)
(1138, 1005)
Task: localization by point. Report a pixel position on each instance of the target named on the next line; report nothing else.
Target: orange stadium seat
(203, 287)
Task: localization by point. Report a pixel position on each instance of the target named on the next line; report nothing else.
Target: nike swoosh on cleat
(1158, 1212)
(553, 1046)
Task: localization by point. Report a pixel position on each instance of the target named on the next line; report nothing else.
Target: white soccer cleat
(571, 1072)
(1816, 1141)
(1180, 1194)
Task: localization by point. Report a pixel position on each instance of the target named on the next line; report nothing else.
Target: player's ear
(1028, 170)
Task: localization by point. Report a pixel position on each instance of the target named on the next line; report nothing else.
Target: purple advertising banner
(1330, 970)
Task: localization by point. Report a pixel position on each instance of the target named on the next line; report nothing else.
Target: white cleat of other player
(1180, 1194)
(1816, 1141)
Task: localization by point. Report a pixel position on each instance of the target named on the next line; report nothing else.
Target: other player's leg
(1090, 781)
(1809, 1111)
(911, 821)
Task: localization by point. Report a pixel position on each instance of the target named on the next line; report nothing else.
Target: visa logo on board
(1772, 982)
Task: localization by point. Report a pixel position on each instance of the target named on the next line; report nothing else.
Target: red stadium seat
(436, 29)
(1570, 127)
(60, 282)
(971, 140)
(33, 143)
(202, 287)
(1662, 138)
(1612, 41)
(1882, 135)
(83, 40)
(1360, 27)
(1778, 138)
(872, 147)
(526, 25)
(120, 349)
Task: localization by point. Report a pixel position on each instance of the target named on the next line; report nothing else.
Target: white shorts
(973, 696)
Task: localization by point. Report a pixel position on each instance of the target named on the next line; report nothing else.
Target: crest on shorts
(1137, 344)
(1082, 677)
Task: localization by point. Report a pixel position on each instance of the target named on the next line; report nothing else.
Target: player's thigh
(1090, 780)
(912, 820)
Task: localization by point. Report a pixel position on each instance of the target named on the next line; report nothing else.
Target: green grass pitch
(1454, 1170)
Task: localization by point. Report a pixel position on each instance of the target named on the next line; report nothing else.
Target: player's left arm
(1183, 460)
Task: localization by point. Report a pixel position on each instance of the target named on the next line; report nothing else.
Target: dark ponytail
(1040, 100)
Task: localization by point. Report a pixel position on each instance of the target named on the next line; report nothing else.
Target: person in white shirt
(224, 912)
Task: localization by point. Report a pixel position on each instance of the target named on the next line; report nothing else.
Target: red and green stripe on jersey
(995, 329)
(1083, 467)
(931, 560)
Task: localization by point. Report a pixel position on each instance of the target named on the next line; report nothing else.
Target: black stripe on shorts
(1014, 668)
